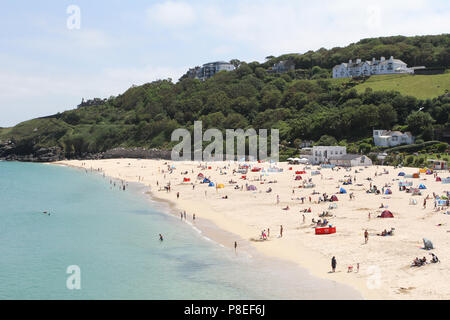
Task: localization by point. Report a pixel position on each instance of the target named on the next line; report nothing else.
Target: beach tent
(416, 175)
(244, 177)
(427, 244)
(388, 191)
(251, 188)
(429, 171)
(342, 190)
(298, 178)
(186, 180)
(206, 180)
(211, 184)
(438, 179)
(422, 186)
(334, 198)
(220, 186)
(386, 214)
(401, 174)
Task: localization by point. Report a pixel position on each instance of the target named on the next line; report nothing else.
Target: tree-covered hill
(303, 104)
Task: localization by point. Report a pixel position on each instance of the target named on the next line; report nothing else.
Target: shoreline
(250, 212)
(209, 231)
(212, 224)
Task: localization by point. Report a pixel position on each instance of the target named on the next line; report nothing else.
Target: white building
(351, 160)
(387, 138)
(368, 68)
(209, 69)
(320, 154)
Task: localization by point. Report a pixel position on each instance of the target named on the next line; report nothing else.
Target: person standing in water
(235, 246)
(161, 237)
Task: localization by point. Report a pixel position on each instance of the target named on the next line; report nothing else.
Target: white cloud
(171, 14)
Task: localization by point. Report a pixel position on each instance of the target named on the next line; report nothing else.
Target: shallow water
(112, 236)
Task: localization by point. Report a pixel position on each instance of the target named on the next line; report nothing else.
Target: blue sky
(46, 67)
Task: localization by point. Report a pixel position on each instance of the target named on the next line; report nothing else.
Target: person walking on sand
(333, 264)
(268, 232)
(193, 216)
(278, 198)
(281, 231)
(366, 236)
(178, 195)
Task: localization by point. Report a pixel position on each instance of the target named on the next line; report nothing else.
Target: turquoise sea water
(112, 236)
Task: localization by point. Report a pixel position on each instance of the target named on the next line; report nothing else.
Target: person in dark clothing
(333, 264)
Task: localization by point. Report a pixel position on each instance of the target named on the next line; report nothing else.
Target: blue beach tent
(342, 190)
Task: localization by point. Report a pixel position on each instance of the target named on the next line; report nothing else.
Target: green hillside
(303, 104)
(419, 86)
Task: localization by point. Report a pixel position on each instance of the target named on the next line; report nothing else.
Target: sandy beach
(385, 270)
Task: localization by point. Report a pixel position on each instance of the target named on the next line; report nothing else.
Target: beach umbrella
(438, 179)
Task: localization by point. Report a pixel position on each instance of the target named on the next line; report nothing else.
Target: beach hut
(401, 174)
(388, 191)
(298, 178)
(422, 186)
(211, 184)
(438, 179)
(334, 198)
(251, 188)
(220, 186)
(342, 190)
(386, 214)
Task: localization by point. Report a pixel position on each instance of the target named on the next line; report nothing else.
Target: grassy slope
(419, 86)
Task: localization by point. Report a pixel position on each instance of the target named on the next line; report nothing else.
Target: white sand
(385, 271)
